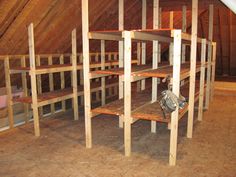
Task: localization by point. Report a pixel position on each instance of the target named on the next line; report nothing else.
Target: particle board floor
(61, 152)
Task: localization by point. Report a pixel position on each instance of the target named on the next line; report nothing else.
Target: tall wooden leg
(87, 95)
(25, 89)
(121, 55)
(33, 80)
(9, 92)
(62, 76)
(176, 91)
(202, 80)
(127, 92)
(192, 68)
(74, 75)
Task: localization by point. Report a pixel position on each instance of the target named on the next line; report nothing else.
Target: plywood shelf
(162, 35)
(63, 94)
(120, 71)
(167, 71)
(147, 71)
(45, 69)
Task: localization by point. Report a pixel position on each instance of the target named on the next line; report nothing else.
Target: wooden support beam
(103, 68)
(33, 80)
(121, 54)
(193, 59)
(9, 92)
(81, 82)
(51, 83)
(160, 26)
(25, 88)
(62, 77)
(171, 25)
(213, 70)
(184, 30)
(74, 75)
(176, 91)
(155, 57)
(39, 83)
(87, 95)
(127, 92)
(209, 56)
(97, 80)
(202, 80)
(144, 26)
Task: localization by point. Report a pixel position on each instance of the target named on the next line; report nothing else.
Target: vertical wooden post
(210, 37)
(62, 76)
(171, 44)
(192, 68)
(39, 83)
(127, 92)
(144, 26)
(25, 89)
(97, 80)
(121, 55)
(160, 24)
(110, 77)
(176, 91)
(87, 95)
(155, 57)
(33, 80)
(103, 68)
(139, 62)
(116, 59)
(74, 74)
(51, 83)
(202, 80)
(213, 70)
(81, 78)
(184, 29)
(9, 92)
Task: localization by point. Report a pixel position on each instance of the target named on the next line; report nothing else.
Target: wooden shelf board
(142, 108)
(166, 71)
(120, 71)
(65, 92)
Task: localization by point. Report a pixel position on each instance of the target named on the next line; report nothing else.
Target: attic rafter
(12, 15)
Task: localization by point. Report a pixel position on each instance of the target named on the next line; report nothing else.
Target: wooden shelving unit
(144, 105)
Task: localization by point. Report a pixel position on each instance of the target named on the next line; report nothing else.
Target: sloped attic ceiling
(55, 19)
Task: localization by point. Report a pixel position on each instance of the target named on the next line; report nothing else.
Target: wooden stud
(127, 92)
(155, 57)
(97, 80)
(81, 78)
(139, 62)
(121, 55)
(33, 80)
(51, 83)
(160, 25)
(87, 95)
(202, 80)
(9, 92)
(171, 25)
(210, 37)
(74, 75)
(25, 88)
(39, 83)
(62, 76)
(144, 26)
(192, 68)
(184, 30)
(176, 91)
(103, 68)
(213, 70)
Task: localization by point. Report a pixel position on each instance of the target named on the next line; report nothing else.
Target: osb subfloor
(60, 151)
